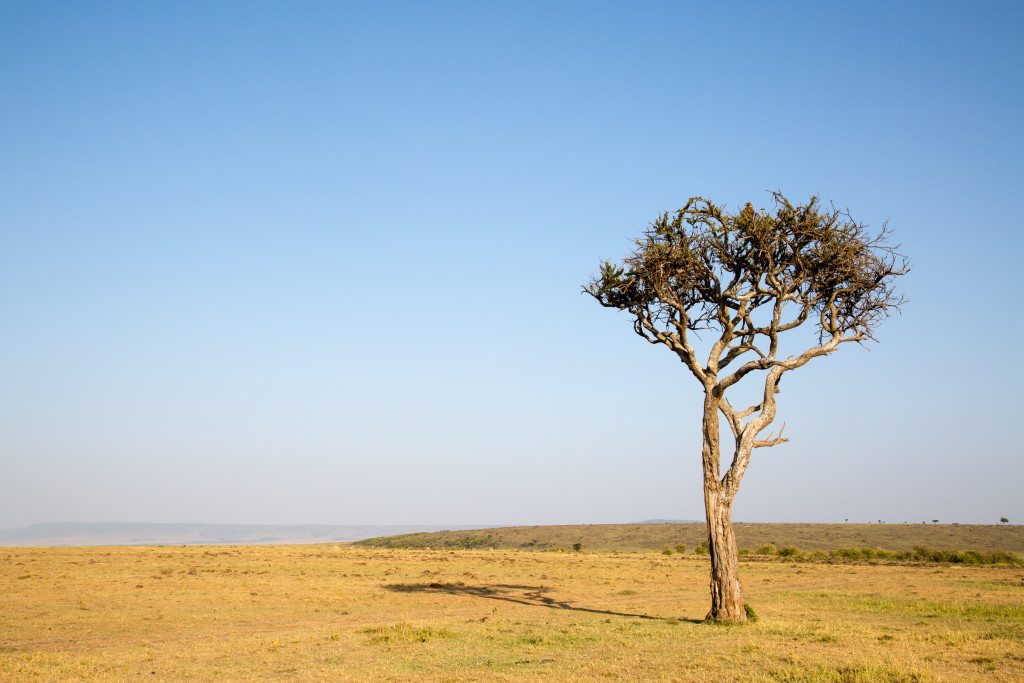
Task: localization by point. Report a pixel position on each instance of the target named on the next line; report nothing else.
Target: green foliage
(918, 554)
(751, 614)
(680, 548)
(577, 546)
(667, 551)
(701, 549)
(867, 554)
(816, 258)
(427, 540)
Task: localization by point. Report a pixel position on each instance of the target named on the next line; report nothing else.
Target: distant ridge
(658, 536)
(114, 533)
(671, 521)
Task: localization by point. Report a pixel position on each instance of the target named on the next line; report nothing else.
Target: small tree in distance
(747, 278)
(1004, 520)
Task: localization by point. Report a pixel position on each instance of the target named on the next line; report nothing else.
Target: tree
(1004, 520)
(747, 278)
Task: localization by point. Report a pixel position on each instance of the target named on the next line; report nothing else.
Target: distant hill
(655, 536)
(648, 535)
(670, 521)
(73, 533)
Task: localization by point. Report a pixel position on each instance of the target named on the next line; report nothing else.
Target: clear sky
(321, 262)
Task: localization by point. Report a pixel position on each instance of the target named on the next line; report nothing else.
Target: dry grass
(808, 537)
(356, 613)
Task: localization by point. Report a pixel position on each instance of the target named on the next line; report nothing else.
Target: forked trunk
(726, 593)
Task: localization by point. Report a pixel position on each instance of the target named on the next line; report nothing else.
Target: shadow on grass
(533, 596)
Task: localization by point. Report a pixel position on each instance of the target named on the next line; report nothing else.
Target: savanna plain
(517, 606)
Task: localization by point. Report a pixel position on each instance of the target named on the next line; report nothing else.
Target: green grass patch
(407, 633)
(1006, 614)
(844, 674)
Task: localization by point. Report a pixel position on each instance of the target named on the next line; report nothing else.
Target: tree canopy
(742, 274)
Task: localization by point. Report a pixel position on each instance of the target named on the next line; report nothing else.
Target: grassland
(638, 537)
(357, 613)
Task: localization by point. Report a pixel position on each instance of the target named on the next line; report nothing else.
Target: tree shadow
(532, 596)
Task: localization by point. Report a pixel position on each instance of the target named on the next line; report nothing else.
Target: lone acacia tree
(745, 279)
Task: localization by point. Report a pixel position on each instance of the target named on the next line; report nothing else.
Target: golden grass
(351, 613)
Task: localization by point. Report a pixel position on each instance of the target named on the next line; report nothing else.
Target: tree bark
(726, 592)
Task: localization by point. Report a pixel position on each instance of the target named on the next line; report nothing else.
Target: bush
(680, 548)
(874, 555)
(471, 542)
(667, 551)
(751, 614)
(701, 549)
(923, 554)
(854, 554)
(422, 540)
(577, 547)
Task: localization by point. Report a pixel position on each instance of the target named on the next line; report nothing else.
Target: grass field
(357, 613)
(629, 537)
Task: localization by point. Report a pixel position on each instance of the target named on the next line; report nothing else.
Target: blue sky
(321, 262)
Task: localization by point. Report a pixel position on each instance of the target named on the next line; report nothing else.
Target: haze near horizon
(321, 263)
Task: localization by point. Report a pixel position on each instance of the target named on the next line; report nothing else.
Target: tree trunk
(726, 592)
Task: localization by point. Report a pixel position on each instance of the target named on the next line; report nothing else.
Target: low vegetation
(446, 539)
(506, 538)
(806, 537)
(338, 612)
(866, 554)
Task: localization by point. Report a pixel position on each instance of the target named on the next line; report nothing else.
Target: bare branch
(772, 440)
(701, 268)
